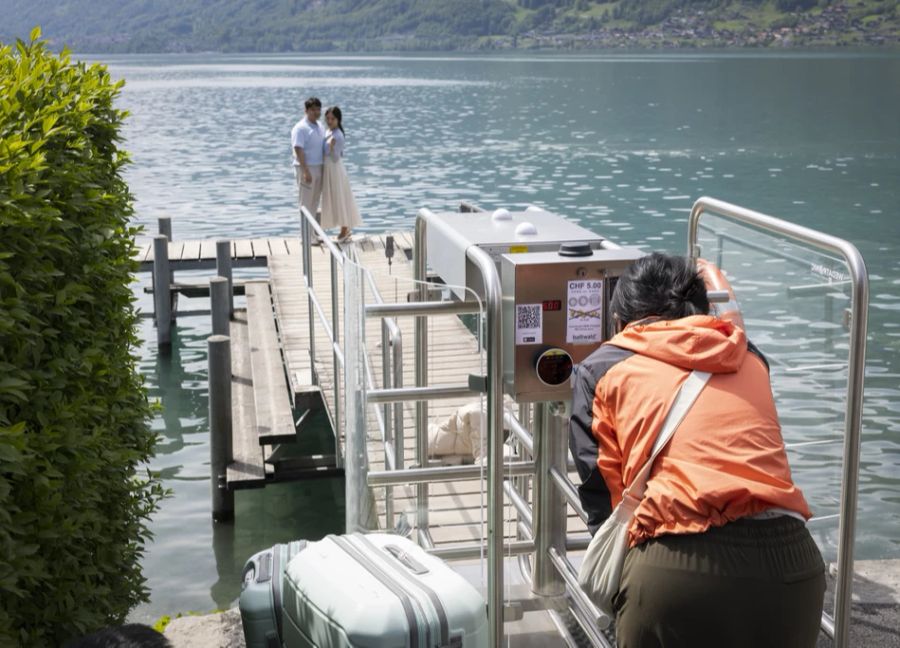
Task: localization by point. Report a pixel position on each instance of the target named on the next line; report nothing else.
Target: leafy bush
(74, 427)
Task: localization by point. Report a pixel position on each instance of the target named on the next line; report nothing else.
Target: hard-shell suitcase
(261, 593)
(378, 591)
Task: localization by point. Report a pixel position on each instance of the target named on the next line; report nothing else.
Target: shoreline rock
(219, 630)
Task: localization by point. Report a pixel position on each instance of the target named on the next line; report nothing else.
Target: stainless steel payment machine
(501, 232)
(555, 313)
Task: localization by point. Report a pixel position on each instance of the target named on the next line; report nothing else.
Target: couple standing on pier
(319, 170)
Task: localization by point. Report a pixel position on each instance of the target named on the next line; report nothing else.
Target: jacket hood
(701, 342)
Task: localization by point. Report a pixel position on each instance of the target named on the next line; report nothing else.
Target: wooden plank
(293, 245)
(243, 249)
(260, 247)
(175, 248)
(274, 418)
(247, 470)
(208, 249)
(145, 254)
(277, 246)
(191, 251)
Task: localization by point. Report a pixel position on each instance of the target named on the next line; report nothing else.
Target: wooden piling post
(165, 226)
(218, 305)
(223, 269)
(162, 298)
(220, 423)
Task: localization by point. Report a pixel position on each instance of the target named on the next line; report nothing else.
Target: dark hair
(312, 102)
(659, 285)
(334, 110)
(132, 635)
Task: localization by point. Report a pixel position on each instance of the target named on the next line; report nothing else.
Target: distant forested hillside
(316, 25)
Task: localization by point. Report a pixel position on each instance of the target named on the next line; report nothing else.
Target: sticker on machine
(529, 324)
(584, 312)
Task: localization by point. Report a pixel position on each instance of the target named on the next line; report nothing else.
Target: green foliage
(360, 25)
(74, 416)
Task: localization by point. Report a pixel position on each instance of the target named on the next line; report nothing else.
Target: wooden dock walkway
(275, 382)
(201, 255)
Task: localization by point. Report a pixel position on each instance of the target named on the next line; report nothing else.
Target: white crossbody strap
(688, 393)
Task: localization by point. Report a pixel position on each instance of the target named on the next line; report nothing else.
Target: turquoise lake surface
(622, 143)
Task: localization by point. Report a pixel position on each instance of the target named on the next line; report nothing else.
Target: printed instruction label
(529, 324)
(584, 311)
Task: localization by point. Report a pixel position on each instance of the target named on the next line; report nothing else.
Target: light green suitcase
(261, 593)
(378, 591)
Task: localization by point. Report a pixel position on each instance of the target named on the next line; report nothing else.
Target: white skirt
(338, 206)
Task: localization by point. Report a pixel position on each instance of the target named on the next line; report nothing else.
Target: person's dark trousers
(749, 583)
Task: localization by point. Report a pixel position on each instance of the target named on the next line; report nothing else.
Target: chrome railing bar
(424, 308)
(570, 576)
(421, 369)
(522, 507)
(855, 383)
(756, 246)
(443, 473)
(419, 394)
(567, 488)
(470, 551)
(336, 362)
(493, 298)
(392, 376)
(523, 435)
(425, 539)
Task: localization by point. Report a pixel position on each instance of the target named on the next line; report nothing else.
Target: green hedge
(75, 495)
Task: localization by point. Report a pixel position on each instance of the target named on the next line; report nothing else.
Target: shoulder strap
(688, 393)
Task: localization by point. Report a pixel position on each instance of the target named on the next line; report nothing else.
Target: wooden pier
(276, 384)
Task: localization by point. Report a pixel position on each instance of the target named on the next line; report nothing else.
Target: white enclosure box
(450, 234)
(555, 314)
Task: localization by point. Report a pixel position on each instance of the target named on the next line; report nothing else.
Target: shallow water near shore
(622, 143)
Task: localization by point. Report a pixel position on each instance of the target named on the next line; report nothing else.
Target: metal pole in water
(162, 298)
(220, 449)
(223, 269)
(218, 305)
(549, 503)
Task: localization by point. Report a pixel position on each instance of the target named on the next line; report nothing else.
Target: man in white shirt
(307, 140)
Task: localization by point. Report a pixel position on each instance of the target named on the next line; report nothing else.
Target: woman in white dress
(338, 206)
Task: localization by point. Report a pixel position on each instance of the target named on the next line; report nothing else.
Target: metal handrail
(839, 629)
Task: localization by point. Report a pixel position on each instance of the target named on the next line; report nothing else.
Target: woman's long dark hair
(334, 110)
(661, 286)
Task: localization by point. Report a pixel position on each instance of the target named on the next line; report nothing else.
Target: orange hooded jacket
(727, 458)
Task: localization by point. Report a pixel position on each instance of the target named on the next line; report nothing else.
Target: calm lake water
(621, 143)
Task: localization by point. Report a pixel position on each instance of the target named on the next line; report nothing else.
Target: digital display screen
(552, 305)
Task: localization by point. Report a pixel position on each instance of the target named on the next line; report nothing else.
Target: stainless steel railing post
(855, 384)
(494, 419)
(399, 451)
(308, 273)
(336, 362)
(549, 504)
(421, 355)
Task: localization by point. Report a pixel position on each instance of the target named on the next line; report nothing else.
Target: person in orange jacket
(720, 553)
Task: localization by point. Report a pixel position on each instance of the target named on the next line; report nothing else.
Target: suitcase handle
(404, 559)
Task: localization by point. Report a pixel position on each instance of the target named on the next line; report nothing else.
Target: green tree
(74, 418)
